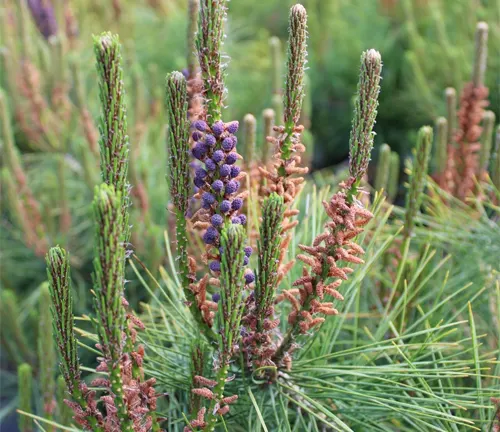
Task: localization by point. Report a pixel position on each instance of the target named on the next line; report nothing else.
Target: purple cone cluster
(215, 147)
(44, 17)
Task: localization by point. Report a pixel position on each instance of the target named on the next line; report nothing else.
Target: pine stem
(218, 395)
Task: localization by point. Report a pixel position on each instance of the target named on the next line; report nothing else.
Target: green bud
(393, 182)
(65, 413)
(113, 139)
(296, 61)
(25, 384)
(109, 270)
(417, 179)
(383, 170)
(250, 135)
(269, 246)
(209, 44)
(441, 144)
(495, 165)
(365, 113)
(232, 284)
(480, 54)
(451, 112)
(487, 140)
(58, 273)
(178, 140)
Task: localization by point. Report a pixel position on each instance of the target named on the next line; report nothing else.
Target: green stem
(286, 147)
(117, 388)
(291, 334)
(352, 192)
(219, 394)
(78, 397)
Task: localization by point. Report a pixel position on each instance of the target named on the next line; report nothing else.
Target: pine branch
(113, 139)
(260, 320)
(178, 179)
(230, 312)
(210, 35)
(109, 284)
(83, 404)
(451, 112)
(417, 181)
(365, 113)
(347, 217)
(481, 54)
(178, 140)
(294, 83)
(273, 209)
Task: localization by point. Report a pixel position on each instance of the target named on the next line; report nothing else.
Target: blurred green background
(426, 45)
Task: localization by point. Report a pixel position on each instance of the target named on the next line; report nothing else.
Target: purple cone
(231, 187)
(217, 220)
(228, 144)
(210, 140)
(249, 277)
(231, 158)
(237, 204)
(218, 156)
(208, 199)
(210, 164)
(199, 151)
(232, 127)
(196, 135)
(200, 125)
(200, 173)
(215, 266)
(217, 185)
(211, 235)
(225, 206)
(218, 128)
(235, 171)
(224, 170)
